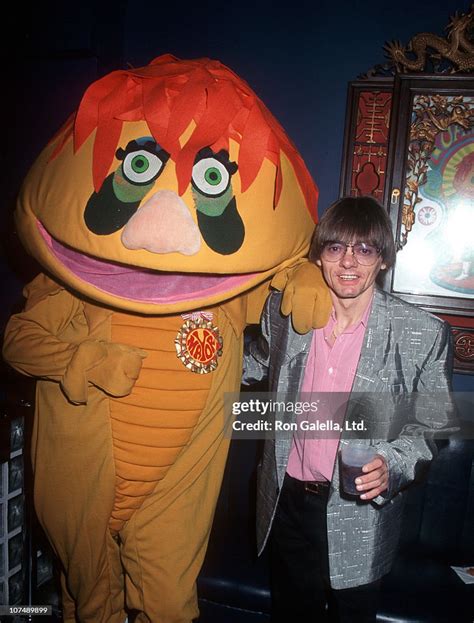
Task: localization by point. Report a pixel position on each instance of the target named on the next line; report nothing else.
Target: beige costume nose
(163, 225)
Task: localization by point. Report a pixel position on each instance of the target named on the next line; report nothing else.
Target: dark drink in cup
(353, 457)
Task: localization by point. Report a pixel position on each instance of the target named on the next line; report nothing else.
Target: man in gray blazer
(330, 550)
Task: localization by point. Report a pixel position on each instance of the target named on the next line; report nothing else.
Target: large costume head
(172, 188)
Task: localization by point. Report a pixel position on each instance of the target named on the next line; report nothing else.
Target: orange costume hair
(168, 94)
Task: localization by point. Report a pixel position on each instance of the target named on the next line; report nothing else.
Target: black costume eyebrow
(151, 146)
(222, 156)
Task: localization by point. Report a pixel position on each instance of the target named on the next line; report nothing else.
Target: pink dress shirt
(328, 369)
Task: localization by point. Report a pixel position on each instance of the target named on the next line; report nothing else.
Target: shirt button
(331, 370)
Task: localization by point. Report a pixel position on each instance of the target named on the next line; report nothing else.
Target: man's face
(347, 278)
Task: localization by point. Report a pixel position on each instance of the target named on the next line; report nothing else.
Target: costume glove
(114, 368)
(305, 296)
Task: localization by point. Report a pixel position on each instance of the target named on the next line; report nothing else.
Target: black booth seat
(438, 531)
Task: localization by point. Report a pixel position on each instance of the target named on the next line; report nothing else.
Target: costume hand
(306, 297)
(117, 373)
(114, 368)
(375, 479)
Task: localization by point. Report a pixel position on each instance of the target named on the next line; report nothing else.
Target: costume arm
(256, 301)
(32, 344)
(35, 344)
(408, 457)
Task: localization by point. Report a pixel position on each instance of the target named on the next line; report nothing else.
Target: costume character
(159, 212)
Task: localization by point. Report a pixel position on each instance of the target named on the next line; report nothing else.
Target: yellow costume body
(173, 191)
(86, 504)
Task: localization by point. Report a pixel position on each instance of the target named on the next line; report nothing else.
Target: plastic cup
(353, 457)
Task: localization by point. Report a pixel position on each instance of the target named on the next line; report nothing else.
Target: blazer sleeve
(433, 415)
(257, 352)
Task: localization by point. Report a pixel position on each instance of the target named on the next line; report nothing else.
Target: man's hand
(305, 296)
(375, 480)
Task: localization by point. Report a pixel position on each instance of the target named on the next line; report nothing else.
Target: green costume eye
(141, 167)
(213, 176)
(210, 177)
(139, 164)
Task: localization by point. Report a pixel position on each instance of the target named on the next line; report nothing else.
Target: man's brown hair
(355, 219)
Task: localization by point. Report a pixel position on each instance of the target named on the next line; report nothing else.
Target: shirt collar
(363, 321)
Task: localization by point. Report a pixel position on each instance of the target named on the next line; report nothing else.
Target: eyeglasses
(365, 254)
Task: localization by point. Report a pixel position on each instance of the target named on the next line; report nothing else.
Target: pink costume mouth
(141, 284)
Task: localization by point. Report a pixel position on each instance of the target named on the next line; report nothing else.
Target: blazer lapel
(375, 346)
(298, 344)
(291, 372)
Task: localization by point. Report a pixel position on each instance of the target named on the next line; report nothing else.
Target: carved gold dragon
(457, 47)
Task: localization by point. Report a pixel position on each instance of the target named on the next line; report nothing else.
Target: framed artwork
(409, 143)
(430, 192)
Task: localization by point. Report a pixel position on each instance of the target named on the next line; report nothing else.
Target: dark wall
(297, 57)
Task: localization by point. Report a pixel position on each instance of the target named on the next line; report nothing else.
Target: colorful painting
(435, 240)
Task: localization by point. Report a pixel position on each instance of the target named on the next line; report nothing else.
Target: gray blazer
(406, 355)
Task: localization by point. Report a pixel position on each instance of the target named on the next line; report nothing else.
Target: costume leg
(164, 543)
(74, 492)
(68, 605)
(106, 604)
